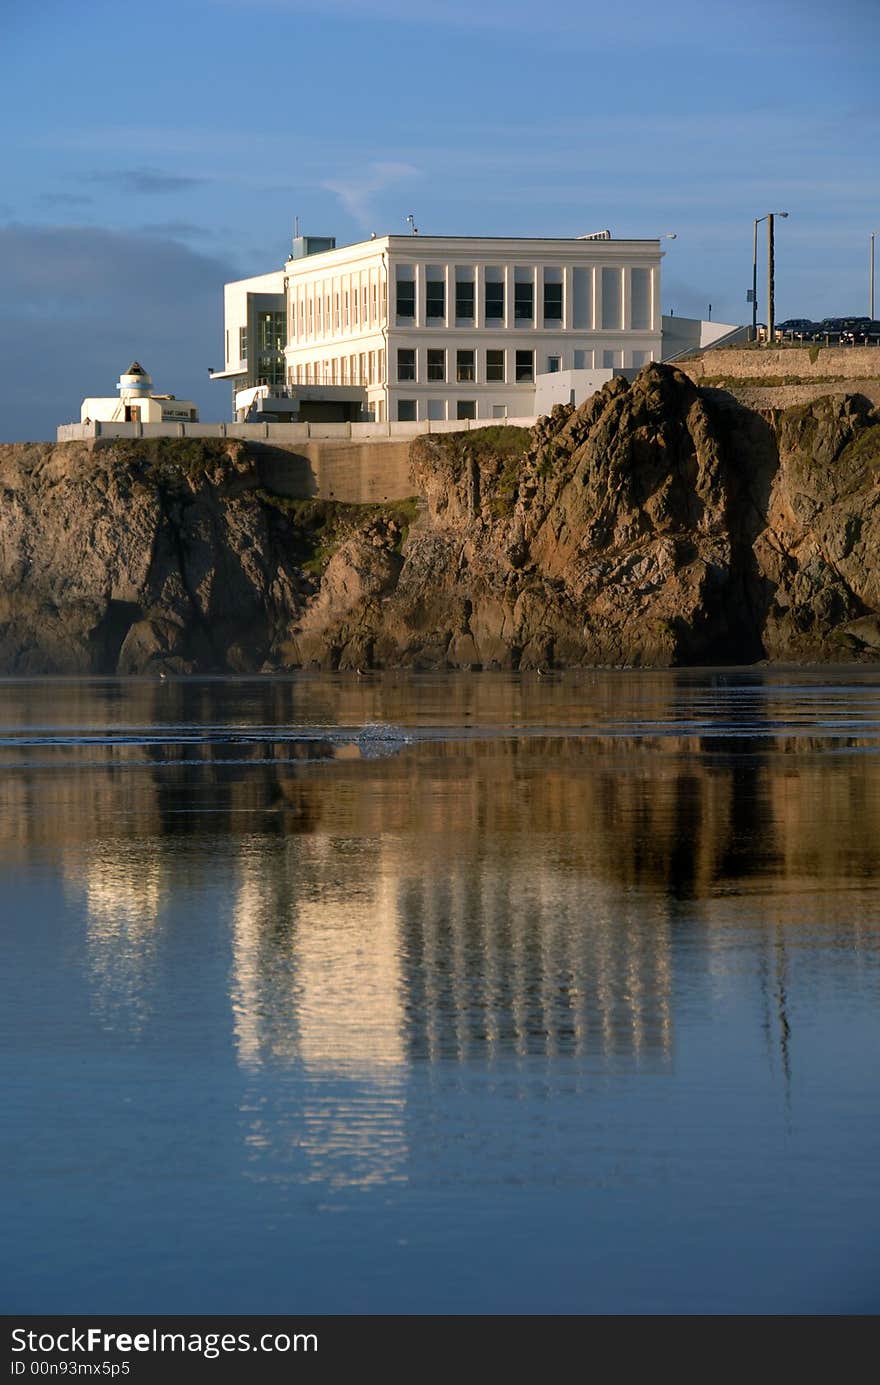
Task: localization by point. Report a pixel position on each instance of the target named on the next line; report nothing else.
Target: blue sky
(150, 158)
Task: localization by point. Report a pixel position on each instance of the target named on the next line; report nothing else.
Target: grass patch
(317, 528)
(864, 448)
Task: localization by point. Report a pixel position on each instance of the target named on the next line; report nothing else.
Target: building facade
(413, 328)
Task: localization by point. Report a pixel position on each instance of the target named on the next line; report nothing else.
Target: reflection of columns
(317, 986)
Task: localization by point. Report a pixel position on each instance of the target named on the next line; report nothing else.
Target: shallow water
(477, 993)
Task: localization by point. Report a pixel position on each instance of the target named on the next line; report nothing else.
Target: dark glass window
(435, 298)
(525, 366)
(464, 365)
(406, 410)
(242, 343)
(523, 302)
(464, 298)
(554, 363)
(553, 302)
(406, 365)
(406, 298)
(466, 408)
(494, 365)
(436, 365)
(494, 300)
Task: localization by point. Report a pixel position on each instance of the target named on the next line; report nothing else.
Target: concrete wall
(831, 362)
(335, 462)
(698, 334)
(284, 434)
(357, 473)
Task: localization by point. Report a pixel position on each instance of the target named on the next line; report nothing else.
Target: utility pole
(871, 280)
(755, 284)
(770, 273)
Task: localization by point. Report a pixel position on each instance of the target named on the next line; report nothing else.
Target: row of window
(340, 309)
(439, 410)
(466, 365)
(365, 368)
(493, 300)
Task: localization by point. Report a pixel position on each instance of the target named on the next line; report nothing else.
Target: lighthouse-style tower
(135, 383)
(137, 404)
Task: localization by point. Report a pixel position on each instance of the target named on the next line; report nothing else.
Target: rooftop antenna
(296, 227)
(412, 224)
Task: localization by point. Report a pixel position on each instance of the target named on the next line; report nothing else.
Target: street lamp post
(768, 217)
(871, 278)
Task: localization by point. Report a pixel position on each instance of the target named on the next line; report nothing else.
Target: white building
(136, 403)
(413, 328)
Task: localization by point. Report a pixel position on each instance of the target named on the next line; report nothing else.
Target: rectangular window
(523, 300)
(553, 364)
(242, 343)
(436, 364)
(612, 299)
(640, 300)
(464, 365)
(495, 366)
(406, 297)
(494, 300)
(552, 302)
(464, 298)
(435, 298)
(437, 409)
(406, 410)
(271, 328)
(499, 411)
(466, 408)
(406, 364)
(525, 367)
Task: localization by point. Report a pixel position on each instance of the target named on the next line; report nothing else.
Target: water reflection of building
(317, 983)
(508, 960)
(122, 884)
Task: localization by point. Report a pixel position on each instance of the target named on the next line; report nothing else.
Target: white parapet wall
(282, 433)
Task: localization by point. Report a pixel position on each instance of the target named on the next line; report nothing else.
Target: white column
(567, 297)
(508, 297)
(448, 298)
(419, 278)
(626, 298)
(479, 296)
(537, 298)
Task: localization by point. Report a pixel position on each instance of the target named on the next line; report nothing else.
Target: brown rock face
(658, 524)
(126, 558)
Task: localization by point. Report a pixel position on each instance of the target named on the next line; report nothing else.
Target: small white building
(136, 403)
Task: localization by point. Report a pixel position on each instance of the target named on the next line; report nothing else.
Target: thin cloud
(356, 194)
(65, 199)
(71, 289)
(147, 181)
(177, 230)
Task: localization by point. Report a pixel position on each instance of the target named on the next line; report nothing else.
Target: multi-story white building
(409, 328)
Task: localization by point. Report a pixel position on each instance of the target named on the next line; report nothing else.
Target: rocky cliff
(658, 524)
